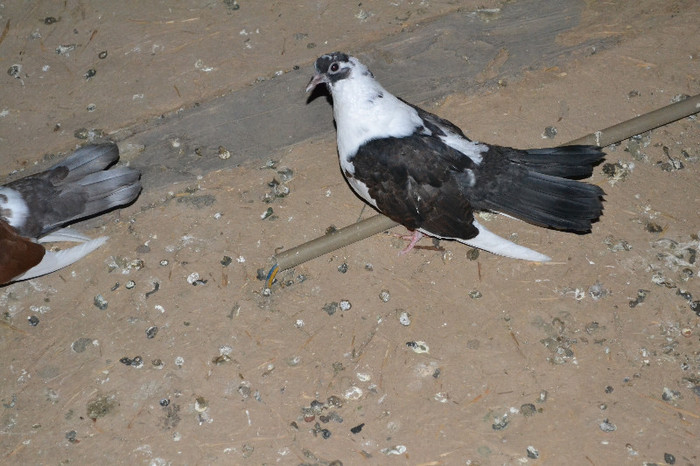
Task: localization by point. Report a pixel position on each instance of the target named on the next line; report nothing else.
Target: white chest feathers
(364, 110)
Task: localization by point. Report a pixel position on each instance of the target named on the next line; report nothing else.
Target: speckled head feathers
(333, 67)
(324, 62)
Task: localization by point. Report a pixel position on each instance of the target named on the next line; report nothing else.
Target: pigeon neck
(364, 111)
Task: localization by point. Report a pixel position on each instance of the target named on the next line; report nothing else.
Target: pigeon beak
(317, 79)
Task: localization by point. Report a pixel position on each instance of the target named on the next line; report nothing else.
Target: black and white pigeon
(34, 208)
(424, 173)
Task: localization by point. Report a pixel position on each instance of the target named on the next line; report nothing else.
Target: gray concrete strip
(456, 53)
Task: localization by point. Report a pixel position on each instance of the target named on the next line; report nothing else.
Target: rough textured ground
(591, 359)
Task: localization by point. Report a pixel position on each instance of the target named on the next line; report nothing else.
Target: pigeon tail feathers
(80, 186)
(110, 188)
(88, 159)
(534, 186)
(573, 162)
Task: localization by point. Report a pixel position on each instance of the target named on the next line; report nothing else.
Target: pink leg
(415, 237)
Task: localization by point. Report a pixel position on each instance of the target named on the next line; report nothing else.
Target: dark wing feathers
(413, 181)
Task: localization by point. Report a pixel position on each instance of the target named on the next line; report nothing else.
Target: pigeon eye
(334, 67)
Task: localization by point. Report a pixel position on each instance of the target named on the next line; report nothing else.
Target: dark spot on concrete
(101, 406)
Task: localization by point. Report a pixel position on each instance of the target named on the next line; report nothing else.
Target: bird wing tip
(54, 261)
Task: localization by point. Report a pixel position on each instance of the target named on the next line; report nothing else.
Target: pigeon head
(333, 67)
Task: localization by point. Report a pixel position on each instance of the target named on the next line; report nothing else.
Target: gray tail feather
(552, 202)
(90, 188)
(89, 159)
(108, 189)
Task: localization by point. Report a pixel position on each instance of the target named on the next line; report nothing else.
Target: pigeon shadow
(317, 92)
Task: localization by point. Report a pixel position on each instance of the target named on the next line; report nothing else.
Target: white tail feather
(64, 234)
(495, 244)
(53, 261)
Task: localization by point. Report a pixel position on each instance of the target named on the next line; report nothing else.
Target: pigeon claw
(414, 238)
